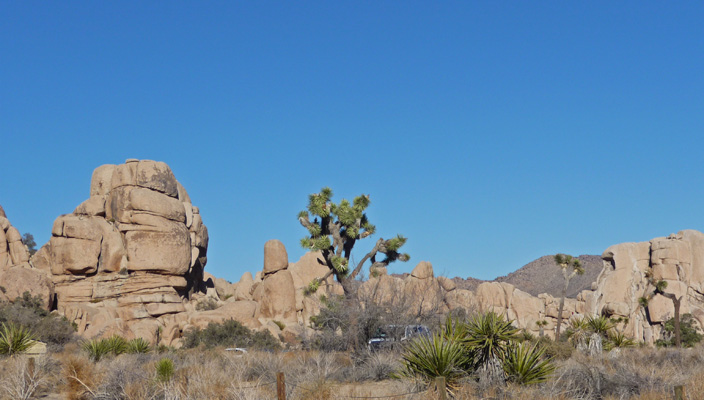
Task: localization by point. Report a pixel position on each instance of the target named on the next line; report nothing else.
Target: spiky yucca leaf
(618, 340)
(15, 339)
(96, 349)
(524, 364)
(489, 335)
(599, 324)
(116, 344)
(138, 346)
(428, 357)
(164, 370)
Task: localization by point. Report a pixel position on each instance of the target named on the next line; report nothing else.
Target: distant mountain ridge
(543, 276)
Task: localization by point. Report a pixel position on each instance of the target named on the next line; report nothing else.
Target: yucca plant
(430, 357)
(138, 345)
(524, 364)
(488, 337)
(164, 370)
(96, 349)
(116, 344)
(15, 339)
(599, 324)
(578, 332)
(618, 340)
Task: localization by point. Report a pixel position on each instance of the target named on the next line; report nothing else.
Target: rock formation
(130, 260)
(16, 274)
(130, 257)
(676, 259)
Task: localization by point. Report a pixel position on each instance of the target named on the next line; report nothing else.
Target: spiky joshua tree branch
(570, 267)
(336, 228)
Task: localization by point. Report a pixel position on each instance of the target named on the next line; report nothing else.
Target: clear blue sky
(488, 133)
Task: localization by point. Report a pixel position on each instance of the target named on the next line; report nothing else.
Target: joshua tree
(334, 231)
(659, 288)
(570, 267)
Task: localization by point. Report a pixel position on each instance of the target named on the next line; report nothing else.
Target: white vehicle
(389, 336)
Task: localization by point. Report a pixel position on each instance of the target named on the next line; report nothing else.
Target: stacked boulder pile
(128, 259)
(16, 274)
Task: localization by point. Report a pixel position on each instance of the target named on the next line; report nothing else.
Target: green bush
(28, 311)
(15, 339)
(689, 335)
(230, 333)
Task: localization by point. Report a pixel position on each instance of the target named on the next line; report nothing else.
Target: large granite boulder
(130, 257)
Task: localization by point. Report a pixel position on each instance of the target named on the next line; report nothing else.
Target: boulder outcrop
(130, 257)
(12, 251)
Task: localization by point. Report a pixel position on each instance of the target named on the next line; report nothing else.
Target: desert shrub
(556, 350)
(379, 366)
(15, 339)
(23, 379)
(164, 370)
(28, 311)
(127, 377)
(207, 304)
(230, 333)
(80, 377)
(688, 332)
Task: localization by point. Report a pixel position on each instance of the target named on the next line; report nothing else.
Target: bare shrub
(22, 377)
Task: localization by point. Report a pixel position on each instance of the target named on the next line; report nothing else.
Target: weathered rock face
(12, 250)
(128, 259)
(677, 259)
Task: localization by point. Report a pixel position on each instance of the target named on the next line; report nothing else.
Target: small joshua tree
(659, 289)
(570, 267)
(334, 231)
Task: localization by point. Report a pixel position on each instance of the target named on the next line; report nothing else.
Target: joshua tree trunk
(676, 302)
(562, 304)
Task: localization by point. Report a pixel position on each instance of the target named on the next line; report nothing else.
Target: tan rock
(101, 181)
(275, 256)
(447, 284)
(423, 270)
(74, 256)
(18, 253)
(277, 296)
(18, 280)
(244, 287)
(13, 235)
(156, 176)
(94, 206)
(161, 252)
(4, 224)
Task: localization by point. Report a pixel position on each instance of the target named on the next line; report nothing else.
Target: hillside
(542, 276)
